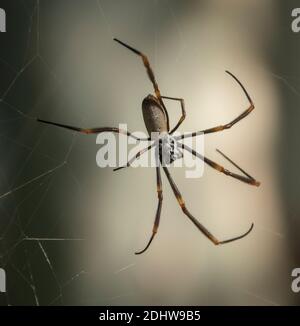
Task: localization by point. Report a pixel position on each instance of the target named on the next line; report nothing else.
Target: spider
(156, 119)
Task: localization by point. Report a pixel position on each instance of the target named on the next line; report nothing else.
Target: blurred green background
(69, 229)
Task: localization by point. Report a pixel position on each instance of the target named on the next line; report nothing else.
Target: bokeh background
(69, 229)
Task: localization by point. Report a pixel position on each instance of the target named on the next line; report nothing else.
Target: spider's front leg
(158, 211)
(203, 229)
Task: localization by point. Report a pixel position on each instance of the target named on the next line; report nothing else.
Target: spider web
(30, 255)
(34, 242)
(25, 253)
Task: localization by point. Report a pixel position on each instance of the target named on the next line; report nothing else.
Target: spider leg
(150, 75)
(146, 64)
(135, 157)
(93, 130)
(231, 123)
(194, 220)
(183, 113)
(234, 164)
(158, 211)
(247, 178)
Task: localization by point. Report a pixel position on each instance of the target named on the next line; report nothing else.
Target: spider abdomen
(154, 116)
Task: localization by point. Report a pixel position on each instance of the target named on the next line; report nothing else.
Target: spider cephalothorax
(169, 149)
(157, 121)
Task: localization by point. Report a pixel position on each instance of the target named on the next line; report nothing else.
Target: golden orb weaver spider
(156, 119)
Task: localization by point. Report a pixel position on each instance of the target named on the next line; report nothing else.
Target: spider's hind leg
(150, 75)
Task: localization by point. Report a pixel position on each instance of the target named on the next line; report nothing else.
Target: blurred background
(69, 229)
